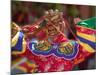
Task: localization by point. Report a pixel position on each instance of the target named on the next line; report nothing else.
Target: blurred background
(27, 12)
(24, 13)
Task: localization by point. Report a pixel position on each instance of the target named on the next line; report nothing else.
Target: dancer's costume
(57, 53)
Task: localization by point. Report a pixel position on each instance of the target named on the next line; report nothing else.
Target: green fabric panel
(89, 23)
